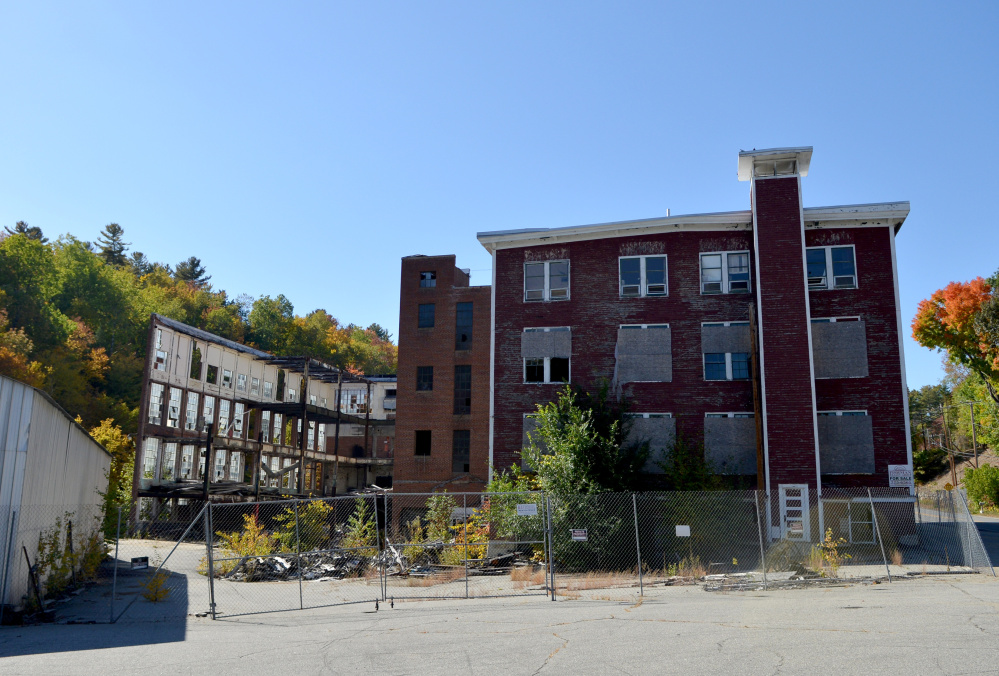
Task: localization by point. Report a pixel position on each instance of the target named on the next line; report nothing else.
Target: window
(268, 389)
(227, 378)
(729, 415)
(278, 429)
(422, 445)
(424, 378)
(426, 316)
(842, 413)
(389, 393)
(462, 389)
(834, 320)
(235, 466)
(208, 411)
(173, 412)
(195, 361)
(237, 419)
(291, 395)
(149, 458)
(546, 370)
(726, 366)
(546, 281)
(219, 464)
(186, 461)
(169, 458)
(428, 279)
(265, 427)
(241, 382)
(642, 276)
(461, 443)
(840, 259)
(463, 326)
(725, 272)
(255, 386)
(191, 414)
(280, 385)
(312, 399)
(161, 359)
(648, 415)
(155, 403)
(213, 375)
(159, 338)
(224, 406)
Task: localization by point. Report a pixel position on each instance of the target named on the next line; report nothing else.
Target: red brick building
(442, 421)
(662, 310)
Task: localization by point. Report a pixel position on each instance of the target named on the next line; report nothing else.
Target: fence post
(378, 539)
(464, 530)
(386, 555)
(877, 532)
(638, 547)
(759, 527)
(210, 544)
(114, 576)
(551, 541)
(298, 553)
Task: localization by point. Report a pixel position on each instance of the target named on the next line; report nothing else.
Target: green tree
(925, 405)
(119, 490)
(112, 244)
(271, 322)
(192, 272)
(686, 469)
(140, 264)
(577, 446)
(31, 232)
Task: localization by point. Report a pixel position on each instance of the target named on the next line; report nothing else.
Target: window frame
(467, 464)
(465, 393)
(226, 378)
(843, 413)
(643, 279)
(830, 277)
(546, 291)
(834, 320)
(646, 416)
(418, 448)
(729, 370)
(729, 414)
(421, 316)
(547, 366)
(428, 279)
(726, 281)
(421, 383)
(463, 332)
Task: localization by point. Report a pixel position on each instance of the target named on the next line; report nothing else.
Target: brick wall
(434, 410)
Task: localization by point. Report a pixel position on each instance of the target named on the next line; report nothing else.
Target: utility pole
(950, 448)
(757, 404)
(974, 436)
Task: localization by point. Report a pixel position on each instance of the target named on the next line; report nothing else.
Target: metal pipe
(638, 546)
(114, 579)
(877, 532)
(298, 551)
(210, 543)
(759, 527)
(464, 528)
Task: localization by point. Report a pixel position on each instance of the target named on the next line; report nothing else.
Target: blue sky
(305, 148)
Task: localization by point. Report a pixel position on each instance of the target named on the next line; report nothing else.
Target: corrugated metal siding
(48, 466)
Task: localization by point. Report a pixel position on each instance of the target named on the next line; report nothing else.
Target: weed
(829, 554)
(896, 557)
(155, 589)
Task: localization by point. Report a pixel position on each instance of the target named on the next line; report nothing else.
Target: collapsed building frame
(223, 421)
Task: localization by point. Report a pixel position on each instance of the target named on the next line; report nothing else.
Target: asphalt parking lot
(947, 624)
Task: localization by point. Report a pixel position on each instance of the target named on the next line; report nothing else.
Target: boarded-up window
(644, 353)
(730, 443)
(839, 349)
(846, 444)
(659, 431)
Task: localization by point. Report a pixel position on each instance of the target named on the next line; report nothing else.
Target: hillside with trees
(74, 317)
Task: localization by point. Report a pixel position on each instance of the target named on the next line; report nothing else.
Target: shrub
(928, 464)
(313, 526)
(361, 533)
(983, 485)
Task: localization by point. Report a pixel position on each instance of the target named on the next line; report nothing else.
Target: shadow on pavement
(989, 529)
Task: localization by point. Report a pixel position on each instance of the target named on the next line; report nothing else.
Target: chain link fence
(159, 560)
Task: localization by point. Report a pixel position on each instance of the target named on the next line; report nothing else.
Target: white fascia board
(895, 212)
(803, 155)
(505, 239)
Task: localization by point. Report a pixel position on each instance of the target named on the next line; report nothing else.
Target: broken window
(462, 389)
(265, 427)
(186, 461)
(213, 375)
(149, 452)
(155, 403)
(311, 436)
(237, 419)
(195, 361)
(255, 386)
(291, 395)
(546, 281)
(235, 466)
(173, 411)
(191, 414)
(546, 370)
(321, 433)
(219, 464)
(425, 320)
(169, 458)
(227, 378)
(241, 382)
(424, 378)
(546, 352)
(224, 405)
(159, 338)
(268, 389)
(463, 326)
(725, 272)
(208, 411)
(428, 279)
(461, 443)
(422, 445)
(278, 429)
(280, 385)
(839, 259)
(161, 360)
(312, 399)
(642, 276)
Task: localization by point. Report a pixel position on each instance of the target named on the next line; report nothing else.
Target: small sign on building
(683, 531)
(900, 476)
(528, 509)
(140, 562)
(578, 534)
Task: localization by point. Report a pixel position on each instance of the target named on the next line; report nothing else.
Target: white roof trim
(747, 158)
(886, 213)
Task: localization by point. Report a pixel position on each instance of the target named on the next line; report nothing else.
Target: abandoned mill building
(772, 335)
(273, 425)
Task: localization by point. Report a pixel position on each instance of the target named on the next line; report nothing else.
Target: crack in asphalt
(565, 642)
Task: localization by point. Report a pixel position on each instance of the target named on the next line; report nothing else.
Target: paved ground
(934, 624)
(988, 526)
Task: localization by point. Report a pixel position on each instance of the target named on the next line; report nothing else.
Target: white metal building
(49, 466)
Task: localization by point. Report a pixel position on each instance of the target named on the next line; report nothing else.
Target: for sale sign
(900, 476)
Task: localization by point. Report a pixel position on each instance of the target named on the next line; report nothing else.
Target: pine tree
(140, 264)
(191, 271)
(31, 232)
(112, 244)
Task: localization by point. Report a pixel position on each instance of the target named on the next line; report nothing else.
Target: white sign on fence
(578, 534)
(683, 531)
(528, 509)
(900, 476)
